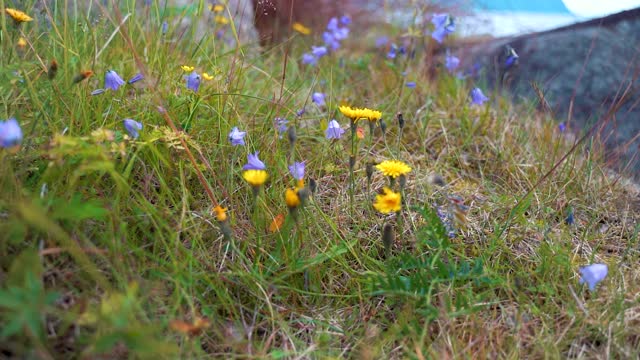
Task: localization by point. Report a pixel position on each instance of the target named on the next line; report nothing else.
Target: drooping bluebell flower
(393, 52)
(300, 112)
(309, 59)
(281, 125)
(451, 62)
(562, 126)
(193, 81)
(410, 84)
(297, 170)
(319, 51)
(477, 97)
(444, 26)
(165, 27)
(318, 98)
(112, 80)
(512, 57)
(254, 163)
(593, 274)
(132, 127)
(345, 20)
(332, 25)
(334, 131)
(137, 77)
(236, 136)
(570, 219)
(10, 133)
(97, 92)
(330, 40)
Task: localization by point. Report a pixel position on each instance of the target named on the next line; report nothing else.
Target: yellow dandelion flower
(207, 76)
(291, 198)
(372, 115)
(216, 8)
(356, 114)
(18, 16)
(221, 213)
(393, 168)
(187, 68)
(22, 43)
(387, 202)
(221, 20)
(255, 177)
(301, 28)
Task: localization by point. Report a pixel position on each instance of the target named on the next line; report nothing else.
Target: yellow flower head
(221, 20)
(221, 213)
(255, 177)
(388, 201)
(291, 198)
(187, 68)
(21, 42)
(207, 76)
(18, 16)
(301, 28)
(356, 114)
(393, 168)
(216, 8)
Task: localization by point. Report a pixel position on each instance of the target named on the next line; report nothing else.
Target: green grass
(107, 242)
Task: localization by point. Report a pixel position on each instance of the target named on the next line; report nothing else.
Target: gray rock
(590, 64)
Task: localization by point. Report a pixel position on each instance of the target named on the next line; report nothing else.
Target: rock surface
(583, 69)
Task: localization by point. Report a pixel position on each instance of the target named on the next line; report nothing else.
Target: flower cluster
(331, 37)
(444, 26)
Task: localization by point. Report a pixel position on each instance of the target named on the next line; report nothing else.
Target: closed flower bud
(53, 69)
(313, 186)
(400, 120)
(383, 126)
(369, 170)
(291, 135)
(352, 162)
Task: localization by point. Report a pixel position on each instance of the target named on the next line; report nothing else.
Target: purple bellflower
(444, 26)
(132, 127)
(593, 274)
(236, 136)
(281, 125)
(318, 98)
(410, 84)
(137, 77)
(193, 81)
(451, 63)
(297, 170)
(10, 133)
(254, 163)
(477, 97)
(334, 131)
(112, 80)
(309, 59)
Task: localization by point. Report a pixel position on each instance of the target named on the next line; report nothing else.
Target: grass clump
(133, 227)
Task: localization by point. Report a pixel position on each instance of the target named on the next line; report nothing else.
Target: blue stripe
(538, 6)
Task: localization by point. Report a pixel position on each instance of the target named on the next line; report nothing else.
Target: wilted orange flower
(82, 76)
(221, 213)
(195, 329)
(360, 133)
(276, 223)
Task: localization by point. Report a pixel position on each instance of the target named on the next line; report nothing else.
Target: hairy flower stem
(352, 163)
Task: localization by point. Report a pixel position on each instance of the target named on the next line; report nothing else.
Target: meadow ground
(144, 239)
